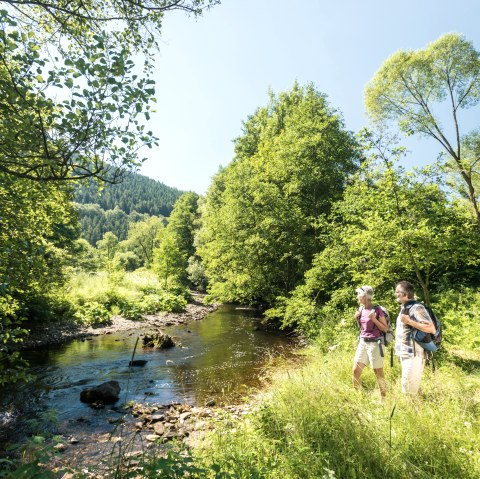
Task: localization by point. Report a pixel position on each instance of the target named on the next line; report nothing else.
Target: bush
(127, 261)
(459, 312)
(49, 308)
(93, 313)
(163, 301)
(129, 294)
(131, 310)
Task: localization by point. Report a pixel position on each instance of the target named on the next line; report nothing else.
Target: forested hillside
(136, 193)
(114, 206)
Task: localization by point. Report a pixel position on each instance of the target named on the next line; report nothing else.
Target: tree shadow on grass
(467, 361)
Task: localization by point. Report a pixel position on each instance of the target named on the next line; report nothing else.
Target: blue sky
(213, 72)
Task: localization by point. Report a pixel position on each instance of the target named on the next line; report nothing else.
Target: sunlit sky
(215, 71)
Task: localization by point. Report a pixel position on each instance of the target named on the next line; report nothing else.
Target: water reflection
(217, 358)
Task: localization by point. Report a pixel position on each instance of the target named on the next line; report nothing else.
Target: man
(413, 315)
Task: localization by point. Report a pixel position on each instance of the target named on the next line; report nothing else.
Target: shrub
(131, 310)
(93, 313)
(459, 312)
(163, 301)
(126, 261)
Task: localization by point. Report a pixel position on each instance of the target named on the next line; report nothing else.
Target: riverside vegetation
(305, 212)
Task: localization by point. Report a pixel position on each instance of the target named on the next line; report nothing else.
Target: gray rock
(157, 417)
(159, 428)
(105, 393)
(60, 447)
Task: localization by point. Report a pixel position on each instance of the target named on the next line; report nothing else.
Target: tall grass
(97, 297)
(313, 424)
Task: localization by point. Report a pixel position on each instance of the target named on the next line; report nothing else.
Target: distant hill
(136, 193)
(114, 207)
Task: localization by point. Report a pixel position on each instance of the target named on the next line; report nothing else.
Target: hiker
(370, 350)
(412, 315)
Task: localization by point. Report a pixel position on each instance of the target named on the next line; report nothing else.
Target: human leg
(357, 372)
(412, 370)
(382, 385)
(359, 362)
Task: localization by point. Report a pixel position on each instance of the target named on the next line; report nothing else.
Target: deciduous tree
(260, 217)
(71, 97)
(411, 84)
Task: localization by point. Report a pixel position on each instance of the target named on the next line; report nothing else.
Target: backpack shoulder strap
(360, 309)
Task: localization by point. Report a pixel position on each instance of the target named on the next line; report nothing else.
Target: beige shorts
(369, 354)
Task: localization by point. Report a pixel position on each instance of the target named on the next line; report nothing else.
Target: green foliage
(126, 261)
(36, 236)
(169, 261)
(409, 85)
(143, 238)
(135, 194)
(83, 132)
(94, 128)
(196, 274)
(183, 222)
(93, 313)
(176, 465)
(390, 225)
(459, 310)
(95, 222)
(107, 247)
(86, 257)
(175, 245)
(98, 297)
(260, 217)
(11, 332)
(118, 207)
(163, 301)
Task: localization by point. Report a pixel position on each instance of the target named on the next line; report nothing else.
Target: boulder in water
(158, 340)
(105, 393)
(138, 362)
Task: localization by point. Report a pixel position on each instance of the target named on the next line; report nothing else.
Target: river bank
(41, 335)
(138, 435)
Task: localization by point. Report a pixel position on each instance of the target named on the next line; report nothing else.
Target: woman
(370, 348)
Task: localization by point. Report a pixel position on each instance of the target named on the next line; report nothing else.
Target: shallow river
(220, 357)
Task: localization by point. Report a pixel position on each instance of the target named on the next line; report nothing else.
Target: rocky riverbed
(137, 434)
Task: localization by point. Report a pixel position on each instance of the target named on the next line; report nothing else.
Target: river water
(219, 358)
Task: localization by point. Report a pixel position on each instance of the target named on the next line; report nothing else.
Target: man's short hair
(407, 288)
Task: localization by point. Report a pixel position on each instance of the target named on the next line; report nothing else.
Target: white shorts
(412, 371)
(368, 353)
